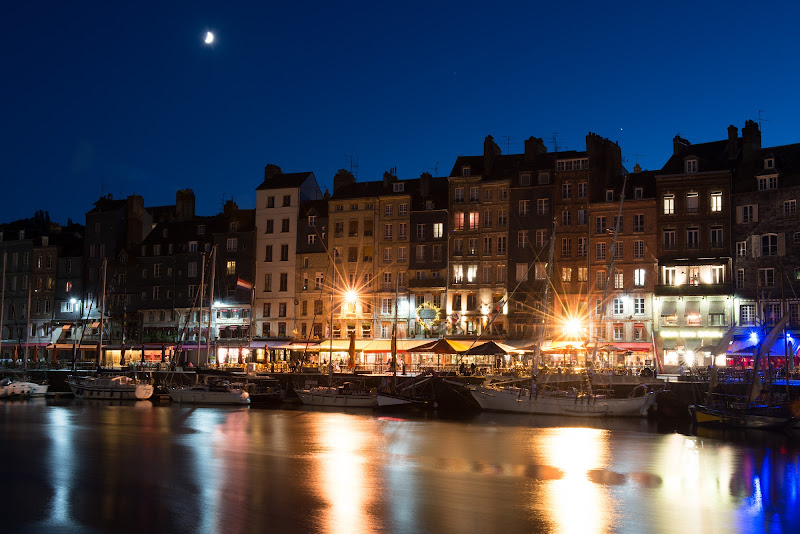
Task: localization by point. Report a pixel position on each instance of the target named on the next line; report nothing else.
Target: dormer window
(769, 163)
(544, 178)
(312, 220)
(691, 165)
(164, 232)
(638, 192)
(465, 170)
(233, 226)
(201, 229)
(609, 195)
(399, 187)
(524, 180)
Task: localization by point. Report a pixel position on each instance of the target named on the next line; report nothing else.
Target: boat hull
(23, 389)
(202, 396)
(706, 415)
(575, 406)
(115, 388)
(329, 398)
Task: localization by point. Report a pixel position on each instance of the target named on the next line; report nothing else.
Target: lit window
(716, 201)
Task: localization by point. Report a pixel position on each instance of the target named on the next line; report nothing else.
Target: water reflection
(151, 468)
(575, 503)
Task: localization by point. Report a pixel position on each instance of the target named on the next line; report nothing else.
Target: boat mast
(200, 312)
(100, 356)
(549, 271)
(394, 334)
(330, 333)
(211, 303)
(27, 327)
(3, 300)
(610, 273)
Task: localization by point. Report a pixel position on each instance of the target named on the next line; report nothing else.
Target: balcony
(690, 290)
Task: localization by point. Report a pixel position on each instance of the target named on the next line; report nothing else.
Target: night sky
(126, 98)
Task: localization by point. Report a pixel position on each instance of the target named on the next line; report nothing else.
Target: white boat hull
(23, 389)
(574, 406)
(116, 388)
(199, 395)
(390, 400)
(331, 398)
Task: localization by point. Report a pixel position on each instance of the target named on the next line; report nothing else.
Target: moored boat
(213, 391)
(565, 403)
(22, 389)
(120, 387)
(348, 394)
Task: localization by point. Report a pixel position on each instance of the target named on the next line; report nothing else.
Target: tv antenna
(435, 169)
(508, 139)
(554, 140)
(761, 119)
(353, 164)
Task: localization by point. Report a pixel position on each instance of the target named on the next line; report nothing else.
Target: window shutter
(738, 215)
(755, 245)
(781, 244)
(755, 212)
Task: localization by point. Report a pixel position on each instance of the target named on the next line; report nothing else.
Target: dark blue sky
(124, 98)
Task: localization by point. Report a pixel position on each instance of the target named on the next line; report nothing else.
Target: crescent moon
(209, 38)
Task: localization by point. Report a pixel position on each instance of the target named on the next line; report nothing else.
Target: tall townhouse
(528, 245)
(278, 201)
(313, 264)
(233, 235)
(66, 312)
(427, 275)
(17, 248)
(623, 281)
(356, 240)
(478, 255)
(43, 293)
(693, 305)
(766, 235)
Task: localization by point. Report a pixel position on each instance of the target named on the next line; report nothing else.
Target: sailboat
(534, 399)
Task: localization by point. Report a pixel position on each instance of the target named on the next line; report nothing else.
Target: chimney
(679, 144)
(425, 184)
(184, 204)
(135, 220)
(342, 178)
(388, 178)
(490, 152)
(229, 208)
(637, 168)
(733, 138)
(271, 170)
(534, 146)
(751, 140)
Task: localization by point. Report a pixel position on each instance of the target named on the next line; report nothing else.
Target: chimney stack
(271, 170)
(490, 153)
(534, 146)
(679, 144)
(342, 178)
(425, 184)
(751, 140)
(733, 138)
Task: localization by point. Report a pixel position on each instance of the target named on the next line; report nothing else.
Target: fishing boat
(347, 394)
(120, 387)
(213, 391)
(415, 393)
(757, 409)
(264, 390)
(22, 389)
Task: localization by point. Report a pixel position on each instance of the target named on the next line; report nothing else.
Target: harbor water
(78, 466)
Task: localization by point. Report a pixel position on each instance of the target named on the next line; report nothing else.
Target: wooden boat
(415, 393)
(346, 395)
(120, 387)
(564, 403)
(213, 391)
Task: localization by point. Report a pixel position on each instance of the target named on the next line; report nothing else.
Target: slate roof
(712, 156)
(285, 180)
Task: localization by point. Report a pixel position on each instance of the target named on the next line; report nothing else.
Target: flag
(244, 284)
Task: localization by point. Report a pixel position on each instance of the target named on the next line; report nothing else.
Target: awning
(341, 345)
(741, 347)
(692, 307)
(669, 308)
(66, 327)
(634, 346)
(385, 345)
(716, 306)
(669, 344)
